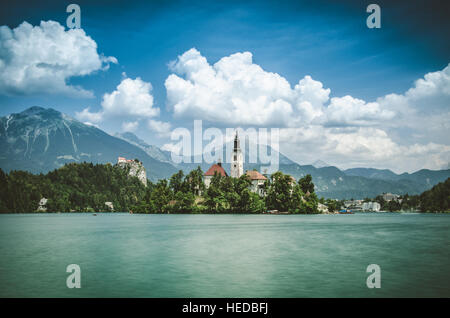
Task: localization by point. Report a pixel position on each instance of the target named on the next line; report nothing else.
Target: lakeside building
(389, 197)
(353, 204)
(322, 208)
(258, 181)
(42, 205)
(371, 207)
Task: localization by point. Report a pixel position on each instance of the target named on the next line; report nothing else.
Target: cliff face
(136, 170)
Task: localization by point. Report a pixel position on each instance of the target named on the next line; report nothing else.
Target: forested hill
(437, 199)
(79, 187)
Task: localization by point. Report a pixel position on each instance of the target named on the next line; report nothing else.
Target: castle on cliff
(136, 168)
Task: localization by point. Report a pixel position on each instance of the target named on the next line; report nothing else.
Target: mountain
(151, 150)
(39, 140)
(423, 179)
(320, 164)
(330, 182)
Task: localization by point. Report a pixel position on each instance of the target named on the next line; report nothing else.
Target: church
(236, 170)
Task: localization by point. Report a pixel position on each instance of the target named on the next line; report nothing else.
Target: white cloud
(91, 124)
(132, 99)
(423, 109)
(353, 111)
(398, 131)
(130, 126)
(236, 91)
(360, 147)
(91, 117)
(160, 127)
(40, 59)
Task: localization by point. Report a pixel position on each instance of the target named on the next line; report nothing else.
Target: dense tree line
(86, 187)
(73, 187)
(437, 199)
(187, 194)
(284, 194)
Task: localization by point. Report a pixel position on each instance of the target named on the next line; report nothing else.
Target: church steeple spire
(237, 165)
(237, 144)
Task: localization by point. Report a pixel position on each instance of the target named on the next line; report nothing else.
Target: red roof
(215, 168)
(255, 175)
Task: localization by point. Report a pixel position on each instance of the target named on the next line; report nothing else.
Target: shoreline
(227, 213)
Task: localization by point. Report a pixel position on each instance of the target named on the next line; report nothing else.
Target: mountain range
(39, 140)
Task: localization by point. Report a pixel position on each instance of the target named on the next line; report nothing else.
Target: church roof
(255, 175)
(215, 168)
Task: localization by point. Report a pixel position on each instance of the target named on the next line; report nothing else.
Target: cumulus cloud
(160, 127)
(130, 126)
(353, 111)
(131, 99)
(360, 147)
(41, 59)
(406, 131)
(429, 95)
(87, 115)
(236, 91)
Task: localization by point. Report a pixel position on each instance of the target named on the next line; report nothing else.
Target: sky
(337, 90)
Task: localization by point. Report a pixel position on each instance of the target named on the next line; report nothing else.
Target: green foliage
(306, 184)
(73, 187)
(86, 187)
(333, 205)
(232, 195)
(283, 194)
(279, 192)
(437, 199)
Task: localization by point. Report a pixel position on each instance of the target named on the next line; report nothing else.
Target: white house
(257, 180)
(371, 206)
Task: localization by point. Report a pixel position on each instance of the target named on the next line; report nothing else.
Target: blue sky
(325, 40)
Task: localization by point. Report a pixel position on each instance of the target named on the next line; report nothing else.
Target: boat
(94, 214)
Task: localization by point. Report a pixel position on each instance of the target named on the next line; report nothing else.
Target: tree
(306, 184)
(176, 181)
(194, 180)
(279, 192)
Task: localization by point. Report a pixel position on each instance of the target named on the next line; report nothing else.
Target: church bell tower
(237, 164)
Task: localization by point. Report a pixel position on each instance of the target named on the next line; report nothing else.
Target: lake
(132, 255)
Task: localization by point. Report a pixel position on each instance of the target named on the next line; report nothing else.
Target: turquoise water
(123, 255)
